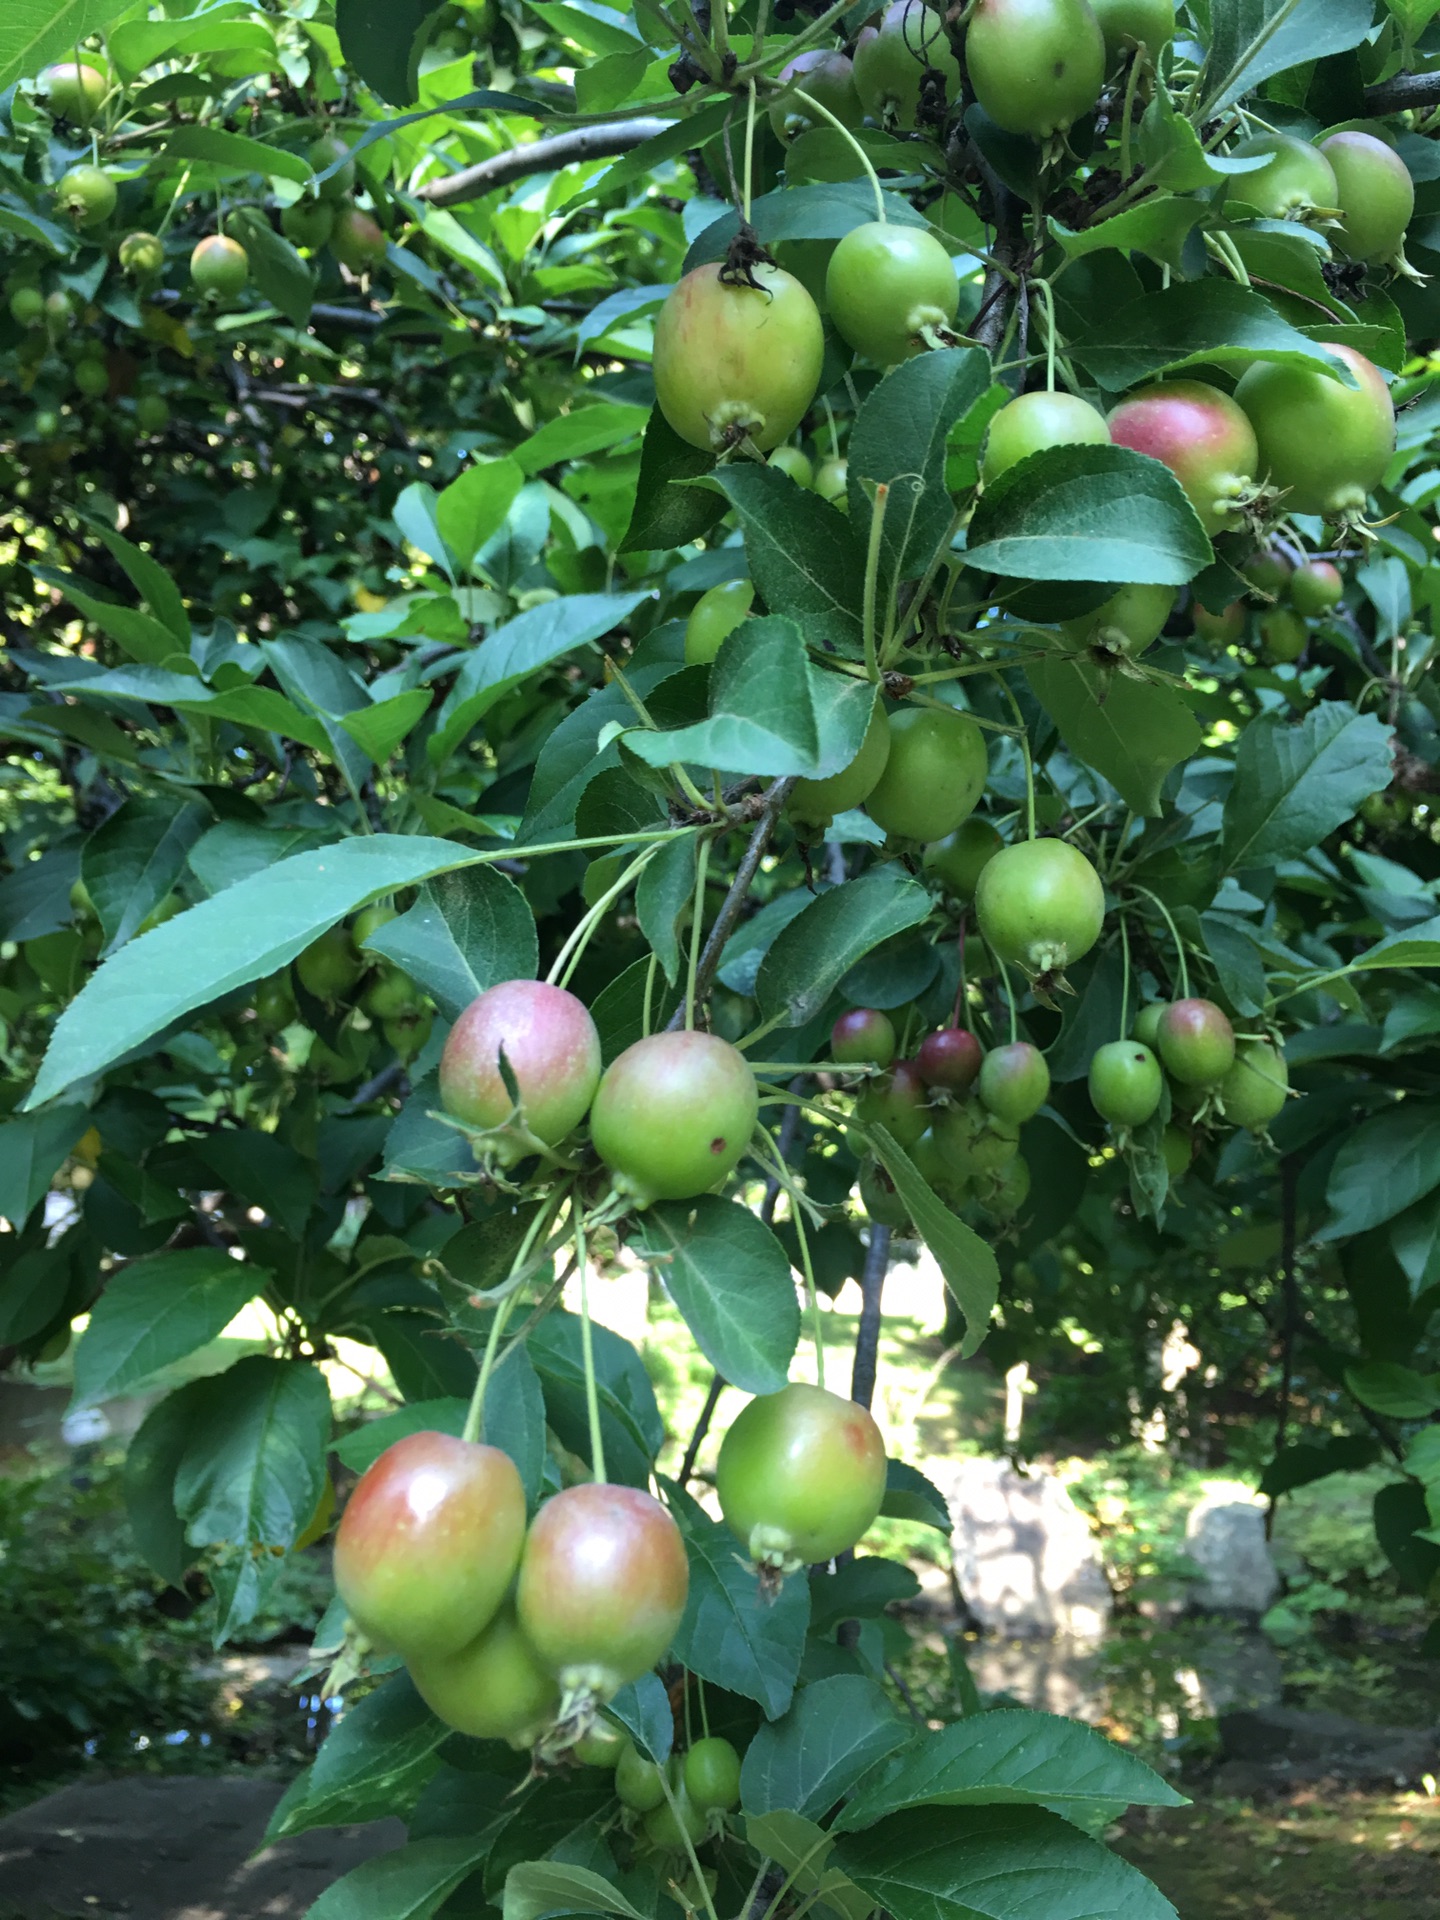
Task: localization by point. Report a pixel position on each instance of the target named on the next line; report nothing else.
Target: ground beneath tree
(172, 1849)
(1317, 1855)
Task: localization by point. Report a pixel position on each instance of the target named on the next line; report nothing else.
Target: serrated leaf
(1011, 1757)
(130, 864)
(1212, 322)
(731, 1279)
(1252, 40)
(1132, 732)
(33, 1147)
(473, 508)
(383, 44)
(899, 439)
(33, 32)
(1294, 785)
(469, 930)
(252, 1473)
(538, 1888)
(372, 1763)
(156, 1311)
(835, 1733)
(242, 934)
(379, 729)
(1088, 513)
(1003, 1863)
(236, 153)
(812, 954)
(972, 1276)
(772, 711)
(410, 1883)
(731, 1635)
(285, 280)
(521, 647)
(804, 557)
(1388, 1163)
(667, 512)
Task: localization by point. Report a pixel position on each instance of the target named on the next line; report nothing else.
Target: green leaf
(910, 1496)
(835, 1733)
(383, 44)
(730, 1277)
(259, 707)
(858, 1589)
(731, 1635)
(899, 440)
(1305, 1463)
(468, 931)
(379, 729)
(363, 1447)
(148, 641)
(245, 932)
(1294, 785)
(235, 153)
(148, 577)
(372, 1763)
(1088, 513)
(1252, 40)
(252, 1473)
(772, 711)
(151, 1462)
(667, 512)
(264, 1170)
(826, 210)
(523, 646)
(1158, 227)
(1132, 732)
(1003, 1863)
(416, 514)
(972, 1277)
(33, 1147)
(643, 1709)
(1013, 1757)
(473, 508)
(665, 889)
(803, 1850)
(632, 1428)
(412, 1882)
(130, 864)
(571, 436)
(1402, 1526)
(805, 558)
(1212, 322)
(1400, 1392)
(538, 1888)
(811, 956)
(154, 1312)
(282, 277)
(138, 44)
(1384, 1166)
(34, 32)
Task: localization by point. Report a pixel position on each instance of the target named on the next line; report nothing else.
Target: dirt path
(177, 1849)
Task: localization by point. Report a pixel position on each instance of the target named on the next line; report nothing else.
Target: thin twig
(1403, 93)
(775, 798)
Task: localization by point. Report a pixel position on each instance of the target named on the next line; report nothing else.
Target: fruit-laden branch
(775, 797)
(556, 150)
(1405, 91)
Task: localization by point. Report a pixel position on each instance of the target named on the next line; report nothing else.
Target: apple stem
(587, 1344)
(697, 928)
(1125, 976)
(1010, 998)
(1175, 936)
(855, 146)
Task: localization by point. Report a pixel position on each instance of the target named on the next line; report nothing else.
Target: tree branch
(867, 1334)
(556, 150)
(1405, 91)
(775, 797)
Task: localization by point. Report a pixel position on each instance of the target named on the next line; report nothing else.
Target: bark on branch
(775, 797)
(1404, 92)
(548, 155)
